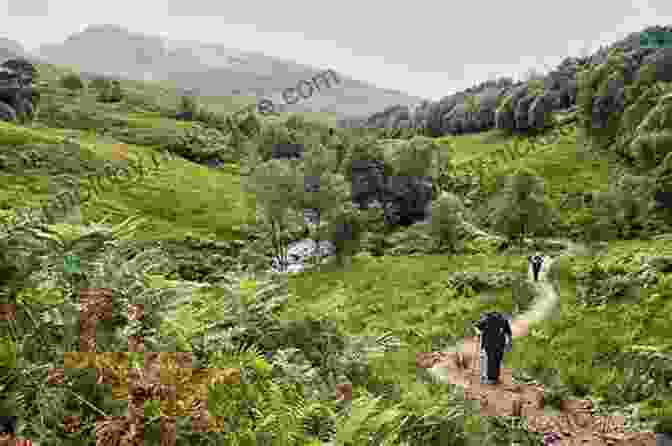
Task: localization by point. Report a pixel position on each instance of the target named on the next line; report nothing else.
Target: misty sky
(425, 48)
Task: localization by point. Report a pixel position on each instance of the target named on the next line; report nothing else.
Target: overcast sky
(425, 48)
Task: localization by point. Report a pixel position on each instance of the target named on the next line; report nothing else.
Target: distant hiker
(495, 334)
(536, 261)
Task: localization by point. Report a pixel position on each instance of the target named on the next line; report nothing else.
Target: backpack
(492, 326)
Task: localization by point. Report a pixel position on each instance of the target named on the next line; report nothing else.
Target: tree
(521, 207)
(275, 186)
(116, 94)
(532, 74)
(99, 83)
(111, 92)
(346, 232)
(414, 157)
(601, 227)
(323, 191)
(622, 210)
(72, 82)
(188, 105)
(448, 214)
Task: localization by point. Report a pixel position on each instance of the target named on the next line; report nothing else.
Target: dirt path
(575, 421)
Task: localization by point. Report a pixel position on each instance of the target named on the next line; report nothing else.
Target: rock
(299, 253)
(287, 151)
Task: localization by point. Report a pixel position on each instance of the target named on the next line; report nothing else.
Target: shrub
(448, 214)
(112, 92)
(188, 105)
(664, 425)
(98, 83)
(72, 82)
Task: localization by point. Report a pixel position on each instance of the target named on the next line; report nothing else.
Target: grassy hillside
(363, 322)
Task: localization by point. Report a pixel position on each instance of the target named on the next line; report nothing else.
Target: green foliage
(276, 186)
(472, 104)
(346, 233)
(414, 157)
(72, 82)
(621, 211)
(99, 83)
(521, 207)
(535, 87)
(111, 92)
(505, 104)
(259, 404)
(188, 104)
(592, 82)
(335, 323)
(448, 214)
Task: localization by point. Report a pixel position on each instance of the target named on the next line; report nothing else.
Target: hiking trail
(459, 365)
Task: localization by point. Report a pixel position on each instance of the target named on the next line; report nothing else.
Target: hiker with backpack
(536, 261)
(495, 336)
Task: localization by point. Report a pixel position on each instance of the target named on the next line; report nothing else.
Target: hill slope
(211, 70)
(326, 355)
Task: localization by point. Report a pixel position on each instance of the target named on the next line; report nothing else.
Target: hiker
(8, 433)
(536, 261)
(495, 333)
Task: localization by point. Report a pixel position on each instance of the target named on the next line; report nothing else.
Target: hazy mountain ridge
(211, 70)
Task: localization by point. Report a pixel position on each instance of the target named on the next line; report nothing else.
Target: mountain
(10, 49)
(213, 70)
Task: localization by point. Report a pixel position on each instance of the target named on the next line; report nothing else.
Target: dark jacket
(494, 328)
(535, 259)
